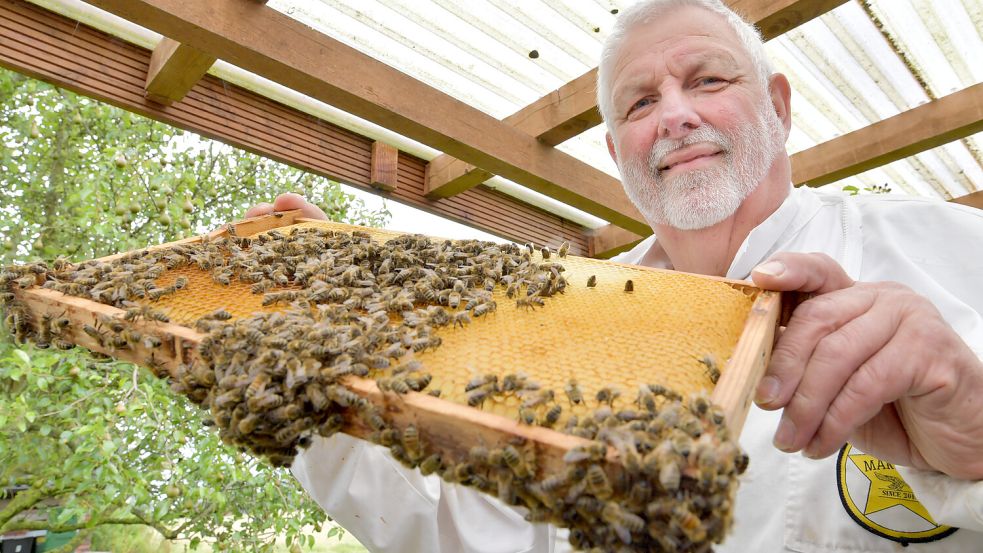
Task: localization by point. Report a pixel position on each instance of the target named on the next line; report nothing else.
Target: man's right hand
(287, 202)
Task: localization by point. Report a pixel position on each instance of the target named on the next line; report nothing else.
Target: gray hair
(643, 12)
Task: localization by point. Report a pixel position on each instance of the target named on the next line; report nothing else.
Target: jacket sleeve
(388, 507)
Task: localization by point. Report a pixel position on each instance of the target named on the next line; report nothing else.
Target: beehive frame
(448, 428)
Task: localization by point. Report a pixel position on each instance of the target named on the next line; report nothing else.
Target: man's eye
(710, 81)
(641, 104)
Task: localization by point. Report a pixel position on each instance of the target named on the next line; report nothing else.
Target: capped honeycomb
(601, 336)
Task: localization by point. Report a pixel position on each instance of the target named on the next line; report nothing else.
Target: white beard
(701, 198)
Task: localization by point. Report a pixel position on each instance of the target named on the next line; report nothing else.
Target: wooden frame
(449, 429)
(174, 69)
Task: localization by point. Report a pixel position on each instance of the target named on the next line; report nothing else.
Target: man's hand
(286, 202)
(872, 363)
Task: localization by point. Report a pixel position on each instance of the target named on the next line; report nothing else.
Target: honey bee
(562, 251)
(147, 313)
(483, 308)
(155, 294)
(711, 368)
(514, 460)
(536, 398)
(545, 250)
(574, 394)
(529, 302)
(597, 482)
(607, 395)
(527, 416)
(629, 286)
(552, 416)
(591, 281)
(669, 476)
(430, 465)
(593, 452)
(622, 522)
(411, 443)
(264, 401)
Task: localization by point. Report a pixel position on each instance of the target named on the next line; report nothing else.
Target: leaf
(24, 358)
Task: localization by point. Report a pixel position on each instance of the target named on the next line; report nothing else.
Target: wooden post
(382, 172)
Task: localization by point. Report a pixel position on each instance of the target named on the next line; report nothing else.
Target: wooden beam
(608, 241)
(270, 44)
(974, 199)
(572, 109)
(174, 69)
(382, 171)
(927, 126)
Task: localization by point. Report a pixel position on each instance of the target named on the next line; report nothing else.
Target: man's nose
(679, 118)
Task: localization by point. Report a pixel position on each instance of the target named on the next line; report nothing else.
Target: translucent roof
(858, 64)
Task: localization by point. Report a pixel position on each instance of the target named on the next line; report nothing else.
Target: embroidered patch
(878, 499)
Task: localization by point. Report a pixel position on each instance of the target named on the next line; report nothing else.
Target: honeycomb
(601, 336)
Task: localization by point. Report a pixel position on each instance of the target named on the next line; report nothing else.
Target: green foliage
(98, 443)
(85, 179)
(873, 189)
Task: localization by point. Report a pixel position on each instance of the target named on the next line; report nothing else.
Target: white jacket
(785, 502)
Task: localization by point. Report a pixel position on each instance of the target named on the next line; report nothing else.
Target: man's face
(694, 128)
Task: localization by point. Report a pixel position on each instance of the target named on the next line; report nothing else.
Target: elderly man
(878, 367)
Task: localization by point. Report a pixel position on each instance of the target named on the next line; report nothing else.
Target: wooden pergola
(170, 84)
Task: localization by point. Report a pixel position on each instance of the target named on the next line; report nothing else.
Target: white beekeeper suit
(785, 502)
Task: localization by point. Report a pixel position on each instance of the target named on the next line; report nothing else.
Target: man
(882, 358)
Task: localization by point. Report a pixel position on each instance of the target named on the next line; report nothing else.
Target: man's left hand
(872, 363)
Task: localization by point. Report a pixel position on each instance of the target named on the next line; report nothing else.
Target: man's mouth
(689, 155)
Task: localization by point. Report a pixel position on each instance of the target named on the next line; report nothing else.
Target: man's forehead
(684, 53)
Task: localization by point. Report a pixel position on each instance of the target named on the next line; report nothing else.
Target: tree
(91, 442)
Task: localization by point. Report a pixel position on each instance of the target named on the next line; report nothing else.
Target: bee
(667, 393)
(527, 416)
(552, 416)
(483, 308)
(477, 397)
(629, 286)
(261, 286)
(155, 294)
(263, 401)
(622, 522)
(460, 319)
(607, 395)
(545, 250)
(411, 443)
(597, 482)
(248, 424)
(147, 313)
(669, 476)
(95, 334)
(689, 523)
(430, 465)
(574, 394)
(529, 302)
(711, 368)
(257, 385)
(593, 452)
(562, 251)
(331, 425)
(222, 277)
(434, 393)
(591, 281)
(699, 405)
(514, 460)
(536, 398)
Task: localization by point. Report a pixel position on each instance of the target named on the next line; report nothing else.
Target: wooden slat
(935, 123)
(609, 240)
(384, 166)
(268, 43)
(174, 69)
(572, 108)
(735, 389)
(974, 199)
(47, 46)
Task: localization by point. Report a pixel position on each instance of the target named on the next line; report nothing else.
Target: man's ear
(611, 150)
(781, 99)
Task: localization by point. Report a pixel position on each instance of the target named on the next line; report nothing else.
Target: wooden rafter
(572, 108)
(974, 199)
(938, 122)
(174, 70)
(272, 45)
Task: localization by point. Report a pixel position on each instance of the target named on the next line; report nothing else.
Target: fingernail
(785, 435)
(811, 451)
(767, 390)
(771, 268)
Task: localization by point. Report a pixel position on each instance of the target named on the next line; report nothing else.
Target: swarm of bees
(659, 476)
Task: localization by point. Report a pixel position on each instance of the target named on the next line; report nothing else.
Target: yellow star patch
(887, 488)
